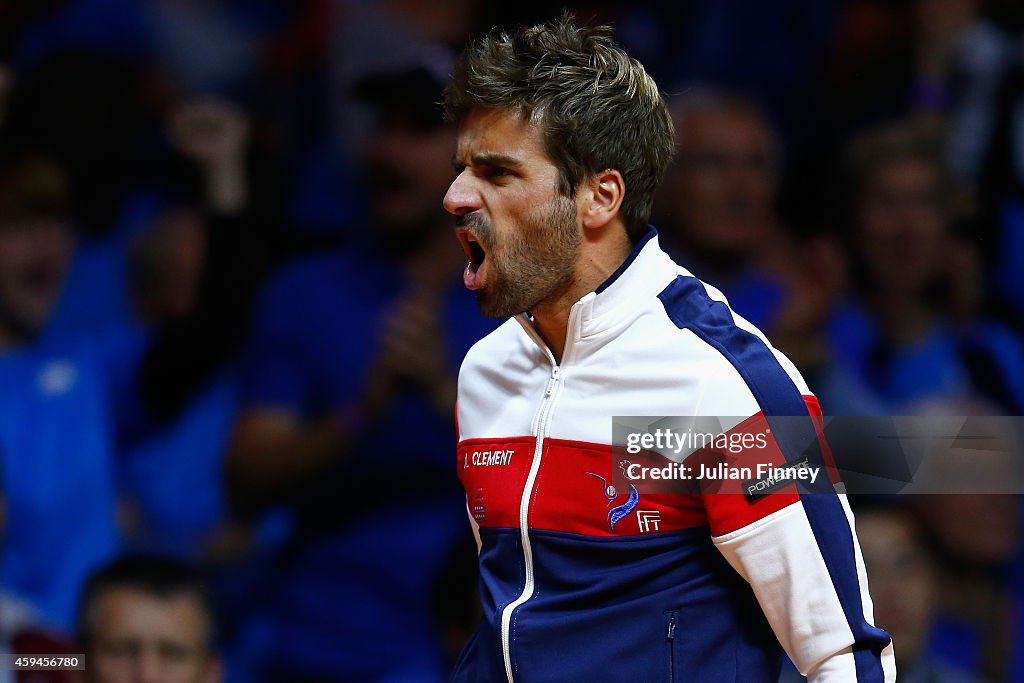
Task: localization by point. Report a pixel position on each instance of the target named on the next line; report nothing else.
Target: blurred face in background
(979, 530)
(35, 254)
(902, 577)
(408, 166)
(35, 245)
(138, 637)
(902, 227)
(721, 190)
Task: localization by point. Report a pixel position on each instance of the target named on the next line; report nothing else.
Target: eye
(120, 649)
(175, 652)
(495, 172)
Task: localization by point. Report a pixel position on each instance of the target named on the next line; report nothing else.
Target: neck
(595, 263)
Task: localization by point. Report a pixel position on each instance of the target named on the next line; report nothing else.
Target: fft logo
(646, 519)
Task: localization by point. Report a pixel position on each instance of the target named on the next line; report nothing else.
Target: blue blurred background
(231, 311)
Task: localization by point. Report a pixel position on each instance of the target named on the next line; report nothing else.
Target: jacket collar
(645, 272)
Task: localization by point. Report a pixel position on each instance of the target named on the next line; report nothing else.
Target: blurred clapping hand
(214, 134)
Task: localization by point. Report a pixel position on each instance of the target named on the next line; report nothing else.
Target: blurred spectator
(983, 68)
(212, 48)
(347, 412)
(716, 208)
(94, 114)
(904, 574)
(177, 208)
(56, 437)
(22, 632)
(327, 197)
(717, 211)
(893, 58)
(976, 527)
(980, 611)
(905, 586)
(193, 273)
(165, 266)
(987, 145)
(161, 391)
(911, 332)
(182, 449)
(416, 31)
(148, 619)
(230, 246)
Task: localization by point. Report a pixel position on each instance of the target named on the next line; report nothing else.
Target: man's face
(34, 259)
(721, 190)
(142, 638)
(520, 235)
(406, 170)
(902, 226)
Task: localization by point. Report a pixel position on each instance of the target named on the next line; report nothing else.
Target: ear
(601, 198)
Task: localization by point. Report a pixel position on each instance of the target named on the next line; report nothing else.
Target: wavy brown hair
(597, 106)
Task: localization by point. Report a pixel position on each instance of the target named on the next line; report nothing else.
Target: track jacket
(707, 592)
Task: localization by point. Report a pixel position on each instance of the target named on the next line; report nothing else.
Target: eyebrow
(488, 159)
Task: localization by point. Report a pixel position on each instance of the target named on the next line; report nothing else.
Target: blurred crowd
(232, 313)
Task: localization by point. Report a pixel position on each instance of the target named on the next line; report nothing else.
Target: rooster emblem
(610, 493)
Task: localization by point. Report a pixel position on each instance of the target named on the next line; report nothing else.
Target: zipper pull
(552, 382)
(671, 635)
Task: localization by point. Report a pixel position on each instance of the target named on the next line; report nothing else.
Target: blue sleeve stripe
(689, 307)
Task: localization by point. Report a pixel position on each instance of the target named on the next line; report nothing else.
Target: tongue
(471, 276)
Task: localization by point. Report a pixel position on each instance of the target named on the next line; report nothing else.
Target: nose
(461, 197)
(148, 668)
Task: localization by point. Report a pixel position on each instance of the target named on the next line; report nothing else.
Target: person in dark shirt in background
(347, 396)
(912, 331)
(142, 390)
(718, 204)
(56, 433)
(719, 208)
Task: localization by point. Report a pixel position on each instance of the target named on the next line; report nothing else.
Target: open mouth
(472, 277)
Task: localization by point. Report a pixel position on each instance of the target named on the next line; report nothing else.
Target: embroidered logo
(617, 513)
(646, 519)
(478, 509)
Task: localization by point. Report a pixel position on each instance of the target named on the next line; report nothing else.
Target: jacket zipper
(670, 638)
(543, 424)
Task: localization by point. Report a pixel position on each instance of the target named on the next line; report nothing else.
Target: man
(906, 579)
(346, 420)
(562, 141)
(719, 194)
(56, 432)
(913, 332)
(717, 212)
(716, 207)
(148, 619)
